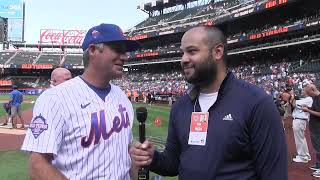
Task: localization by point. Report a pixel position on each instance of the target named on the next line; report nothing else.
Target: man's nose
(184, 58)
(124, 56)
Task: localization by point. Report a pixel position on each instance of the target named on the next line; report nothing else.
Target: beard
(204, 73)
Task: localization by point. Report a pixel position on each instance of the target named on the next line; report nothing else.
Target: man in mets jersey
(81, 129)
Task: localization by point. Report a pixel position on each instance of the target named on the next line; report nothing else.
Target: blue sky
(79, 14)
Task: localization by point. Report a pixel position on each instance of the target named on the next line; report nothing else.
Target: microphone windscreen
(142, 114)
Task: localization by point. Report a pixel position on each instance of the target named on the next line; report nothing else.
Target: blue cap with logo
(104, 33)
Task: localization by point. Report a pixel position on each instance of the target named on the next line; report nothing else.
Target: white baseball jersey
(297, 111)
(87, 136)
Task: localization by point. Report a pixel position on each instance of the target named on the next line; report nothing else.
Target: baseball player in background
(59, 75)
(81, 129)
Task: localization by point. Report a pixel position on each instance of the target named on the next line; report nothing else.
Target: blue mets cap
(105, 33)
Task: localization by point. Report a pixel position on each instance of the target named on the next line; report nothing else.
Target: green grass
(151, 128)
(13, 164)
(157, 134)
(25, 97)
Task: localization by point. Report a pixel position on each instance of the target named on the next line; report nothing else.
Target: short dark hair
(215, 36)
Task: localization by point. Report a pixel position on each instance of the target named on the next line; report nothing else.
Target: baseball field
(14, 163)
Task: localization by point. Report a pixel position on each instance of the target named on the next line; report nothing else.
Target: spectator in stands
(136, 96)
(149, 98)
(299, 124)
(280, 105)
(288, 97)
(244, 138)
(7, 109)
(153, 98)
(128, 93)
(16, 101)
(170, 99)
(59, 75)
(314, 124)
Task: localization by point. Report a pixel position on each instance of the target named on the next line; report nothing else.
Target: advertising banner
(36, 66)
(62, 37)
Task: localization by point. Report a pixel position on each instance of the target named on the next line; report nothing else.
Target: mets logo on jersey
(98, 126)
(38, 125)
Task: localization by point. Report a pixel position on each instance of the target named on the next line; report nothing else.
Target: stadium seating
(73, 59)
(22, 57)
(5, 56)
(53, 59)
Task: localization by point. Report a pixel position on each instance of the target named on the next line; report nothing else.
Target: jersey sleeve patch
(38, 125)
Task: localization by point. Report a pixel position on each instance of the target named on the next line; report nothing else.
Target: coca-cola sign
(68, 37)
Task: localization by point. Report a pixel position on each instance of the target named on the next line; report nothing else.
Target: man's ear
(218, 51)
(91, 49)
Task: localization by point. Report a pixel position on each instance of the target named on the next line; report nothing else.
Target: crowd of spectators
(270, 27)
(160, 83)
(279, 78)
(272, 78)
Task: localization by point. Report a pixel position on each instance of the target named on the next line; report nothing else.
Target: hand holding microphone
(142, 114)
(142, 152)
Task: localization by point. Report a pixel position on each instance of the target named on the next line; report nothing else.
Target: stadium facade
(265, 38)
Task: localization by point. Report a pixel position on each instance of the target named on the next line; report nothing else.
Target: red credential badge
(198, 128)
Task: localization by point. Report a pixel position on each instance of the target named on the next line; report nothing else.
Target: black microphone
(142, 113)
